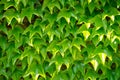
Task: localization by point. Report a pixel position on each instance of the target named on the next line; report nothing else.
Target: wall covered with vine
(59, 39)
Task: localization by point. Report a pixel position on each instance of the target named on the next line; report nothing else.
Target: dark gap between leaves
(98, 11)
(107, 18)
(97, 78)
(67, 6)
(7, 69)
(21, 48)
(86, 70)
(113, 66)
(63, 67)
(105, 79)
(118, 8)
(34, 19)
(26, 23)
(47, 74)
(10, 79)
(1, 52)
(30, 76)
(118, 47)
(56, 10)
(12, 7)
(90, 64)
(4, 54)
(9, 27)
(100, 43)
(89, 42)
(99, 2)
(79, 25)
(100, 71)
(41, 1)
(49, 54)
(82, 47)
(92, 26)
(88, 79)
(21, 78)
(18, 63)
(118, 78)
(3, 33)
(39, 77)
(37, 4)
(3, 77)
(106, 59)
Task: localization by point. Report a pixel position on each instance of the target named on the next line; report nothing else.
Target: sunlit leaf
(10, 14)
(102, 57)
(95, 64)
(86, 34)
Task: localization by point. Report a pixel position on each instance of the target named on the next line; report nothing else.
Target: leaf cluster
(59, 39)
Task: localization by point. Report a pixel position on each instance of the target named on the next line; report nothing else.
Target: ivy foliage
(59, 39)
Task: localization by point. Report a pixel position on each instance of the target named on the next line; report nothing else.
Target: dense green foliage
(59, 39)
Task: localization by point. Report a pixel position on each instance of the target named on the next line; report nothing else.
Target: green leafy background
(59, 39)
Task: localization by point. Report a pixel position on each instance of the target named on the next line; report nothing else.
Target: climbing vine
(59, 39)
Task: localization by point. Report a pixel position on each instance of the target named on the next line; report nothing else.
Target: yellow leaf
(95, 64)
(86, 34)
(102, 57)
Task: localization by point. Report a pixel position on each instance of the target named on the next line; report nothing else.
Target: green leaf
(53, 47)
(52, 5)
(86, 34)
(91, 74)
(16, 32)
(66, 14)
(97, 20)
(61, 24)
(29, 53)
(103, 2)
(45, 4)
(17, 74)
(51, 18)
(91, 7)
(3, 42)
(66, 44)
(35, 30)
(50, 69)
(8, 4)
(28, 29)
(62, 2)
(10, 14)
(2, 7)
(76, 55)
(14, 59)
(51, 35)
(77, 42)
(108, 53)
(109, 74)
(58, 62)
(17, 2)
(3, 72)
(95, 40)
(35, 70)
(38, 43)
(81, 29)
(28, 12)
(43, 51)
(24, 2)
